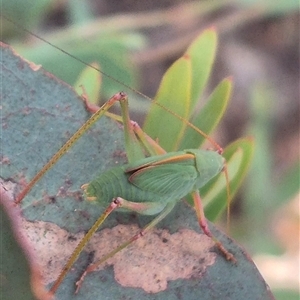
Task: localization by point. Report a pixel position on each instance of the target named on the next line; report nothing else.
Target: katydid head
(208, 163)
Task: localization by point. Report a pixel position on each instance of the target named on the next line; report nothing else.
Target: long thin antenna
(76, 58)
(216, 145)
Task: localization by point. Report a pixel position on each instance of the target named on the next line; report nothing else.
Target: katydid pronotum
(187, 171)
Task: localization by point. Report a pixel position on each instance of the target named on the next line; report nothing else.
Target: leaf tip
(229, 79)
(186, 56)
(212, 29)
(250, 139)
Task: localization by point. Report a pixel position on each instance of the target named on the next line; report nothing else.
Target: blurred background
(136, 41)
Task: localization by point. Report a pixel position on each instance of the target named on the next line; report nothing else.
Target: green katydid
(141, 173)
(149, 186)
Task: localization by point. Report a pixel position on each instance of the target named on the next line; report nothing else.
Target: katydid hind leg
(169, 207)
(116, 203)
(113, 206)
(64, 149)
(204, 226)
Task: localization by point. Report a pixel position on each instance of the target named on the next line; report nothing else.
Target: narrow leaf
(209, 116)
(173, 93)
(218, 204)
(202, 53)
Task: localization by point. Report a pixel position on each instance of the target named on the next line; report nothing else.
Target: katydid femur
(147, 185)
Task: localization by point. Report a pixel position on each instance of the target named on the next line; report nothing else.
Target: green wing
(168, 158)
(166, 180)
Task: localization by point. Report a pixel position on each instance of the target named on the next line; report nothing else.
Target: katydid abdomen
(158, 180)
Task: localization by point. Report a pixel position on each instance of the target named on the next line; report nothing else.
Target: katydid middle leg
(98, 113)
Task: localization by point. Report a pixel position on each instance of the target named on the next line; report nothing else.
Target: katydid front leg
(92, 120)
